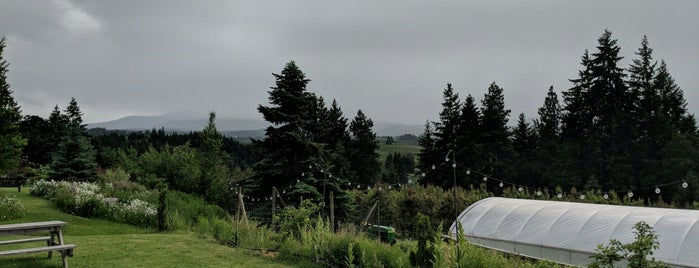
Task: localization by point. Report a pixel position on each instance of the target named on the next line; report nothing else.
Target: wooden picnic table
(52, 227)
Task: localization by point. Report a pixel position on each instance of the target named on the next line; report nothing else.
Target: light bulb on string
(485, 178)
(501, 184)
(410, 181)
(453, 165)
(582, 197)
(423, 174)
(446, 159)
(368, 187)
(303, 174)
(468, 172)
(559, 196)
(520, 189)
(605, 196)
(380, 188)
(630, 194)
(349, 184)
(538, 193)
(389, 187)
(684, 184)
(358, 186)
(657, 190)
(434, 167)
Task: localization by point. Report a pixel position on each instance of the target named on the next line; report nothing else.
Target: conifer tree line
(615, 129)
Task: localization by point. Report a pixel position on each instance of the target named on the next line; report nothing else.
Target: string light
(501, 184)
(559, 196)
(657, 190)
(684, 184)
(538, 193)
(453, 165)
(582, 197)
(605, 196)
(520, 189)
(468, 172)
(630, 194)
(485, 178)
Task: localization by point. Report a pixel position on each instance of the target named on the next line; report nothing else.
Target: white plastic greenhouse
(568, 233)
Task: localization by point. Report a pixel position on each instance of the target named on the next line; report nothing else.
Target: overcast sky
(389, 58)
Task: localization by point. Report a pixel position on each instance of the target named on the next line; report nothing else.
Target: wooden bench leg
(64, 256)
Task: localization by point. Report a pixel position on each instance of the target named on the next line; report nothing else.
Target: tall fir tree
(292, 155)
(445, 132)
(549, 163)
(549, 124)
(428, 156)
(215, 180)
(74, 157)
(365, 157)
(468, 146)
(612, 105)
(11, 140)
(524, 143)
(497, 149)
(288, 150)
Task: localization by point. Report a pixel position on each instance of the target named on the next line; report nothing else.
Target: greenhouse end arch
(568, 233)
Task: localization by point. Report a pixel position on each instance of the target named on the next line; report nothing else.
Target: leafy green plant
(637, 253)
(426, 237)
(10, 208)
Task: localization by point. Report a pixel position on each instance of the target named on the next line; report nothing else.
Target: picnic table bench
(12, 182)
(52, 227)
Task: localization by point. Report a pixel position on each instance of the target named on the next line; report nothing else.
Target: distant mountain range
(232, 127)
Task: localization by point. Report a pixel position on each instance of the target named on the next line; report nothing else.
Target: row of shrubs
(97, 200)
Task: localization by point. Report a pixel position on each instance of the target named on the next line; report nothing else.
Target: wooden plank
(26, 240)
(61, 248)
(5, 228)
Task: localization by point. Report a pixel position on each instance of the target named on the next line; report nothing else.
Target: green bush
(636, 252)
(10, 208)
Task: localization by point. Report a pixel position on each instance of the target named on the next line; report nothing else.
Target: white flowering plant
(10, 208)
(95, 200)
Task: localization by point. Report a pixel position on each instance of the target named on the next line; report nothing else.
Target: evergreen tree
(549, 162)
(292, 153)
(74, 157)
(365, 158)
(11, 140)
(612, 104)
(524, 144)
(672, 102)
(445, 132)
(549, 124)
(495, 134)
(215, 182)
(427, 157)
(288, 152)
(468, 146)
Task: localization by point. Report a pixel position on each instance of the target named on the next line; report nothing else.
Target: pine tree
(288, 153)
(11, 140)
(524, 141)
(549, 124)
(612, 104)
(495, 134)
(214, 182)
(672, 102)
(74, 157)
(427, 157)
(446, 136)
(365, 158)
(549, 158)
(468, 146)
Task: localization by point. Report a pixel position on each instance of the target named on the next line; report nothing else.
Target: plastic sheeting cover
(567, 232)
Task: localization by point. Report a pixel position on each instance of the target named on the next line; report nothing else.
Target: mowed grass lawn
(103, 243)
